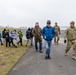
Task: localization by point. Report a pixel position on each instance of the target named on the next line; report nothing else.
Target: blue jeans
(40, 46)
(31, 41)
(48, 47)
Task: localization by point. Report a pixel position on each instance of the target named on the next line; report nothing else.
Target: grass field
(9, 56)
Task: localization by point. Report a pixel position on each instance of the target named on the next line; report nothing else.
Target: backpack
(28, 34)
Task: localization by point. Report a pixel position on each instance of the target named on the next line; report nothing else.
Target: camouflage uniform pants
(69, 45)
(56, 38)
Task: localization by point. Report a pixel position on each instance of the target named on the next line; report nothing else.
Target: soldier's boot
(74, 51)
(67, 49)
(66, 52)
(74, 55)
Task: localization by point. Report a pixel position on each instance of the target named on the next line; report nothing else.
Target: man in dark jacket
(28, 36)
(48, 34)
(37, 32)
(7, 38)
(3, 35)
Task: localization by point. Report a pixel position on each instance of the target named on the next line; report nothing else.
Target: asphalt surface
(33, 63)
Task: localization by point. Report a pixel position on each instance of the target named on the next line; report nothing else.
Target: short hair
(56, 23)
(15, 30)
(72, 22)
(37, 23)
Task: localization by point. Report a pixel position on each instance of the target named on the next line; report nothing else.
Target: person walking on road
(57, 33)
(70, 38)
(37, 32)
(48, 34)
(28, 36)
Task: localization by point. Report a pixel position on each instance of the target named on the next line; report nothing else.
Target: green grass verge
(9, 56)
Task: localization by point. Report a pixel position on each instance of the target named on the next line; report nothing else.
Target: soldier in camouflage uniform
(57, 32)
(70, 38)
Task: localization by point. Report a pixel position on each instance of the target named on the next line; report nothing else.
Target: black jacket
(28, 34)
(7, 35)
(3, 34)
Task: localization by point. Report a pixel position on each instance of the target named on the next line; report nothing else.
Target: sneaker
(1, 43)
(15, 46)
(49, 57)
(46, 57)
(40, 51)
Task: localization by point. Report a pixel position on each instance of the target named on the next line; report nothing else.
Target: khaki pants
(56, 38)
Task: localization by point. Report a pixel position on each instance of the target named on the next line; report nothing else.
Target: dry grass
(9, 56)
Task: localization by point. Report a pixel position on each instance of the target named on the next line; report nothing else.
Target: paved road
(33, 63)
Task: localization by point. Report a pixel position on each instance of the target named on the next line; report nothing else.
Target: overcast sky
(24, 13)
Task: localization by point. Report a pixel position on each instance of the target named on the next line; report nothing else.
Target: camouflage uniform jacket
(70, 34)
(57, 30)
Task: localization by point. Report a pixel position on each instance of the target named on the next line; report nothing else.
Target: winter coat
(28, 34)
(3, 34)
(7, 35)
(20, 34)
(14, 36)
(37, 32)
(48, 33)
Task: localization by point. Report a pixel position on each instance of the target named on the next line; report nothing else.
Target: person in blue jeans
(37, 32)
(48, 34)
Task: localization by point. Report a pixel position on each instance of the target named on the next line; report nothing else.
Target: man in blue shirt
(48, 34)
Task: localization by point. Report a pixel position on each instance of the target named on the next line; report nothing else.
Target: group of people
(10, 37)
(47, 33)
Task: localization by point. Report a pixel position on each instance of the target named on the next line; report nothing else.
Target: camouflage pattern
(57, 32)
(70, 35)
(37, 32)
